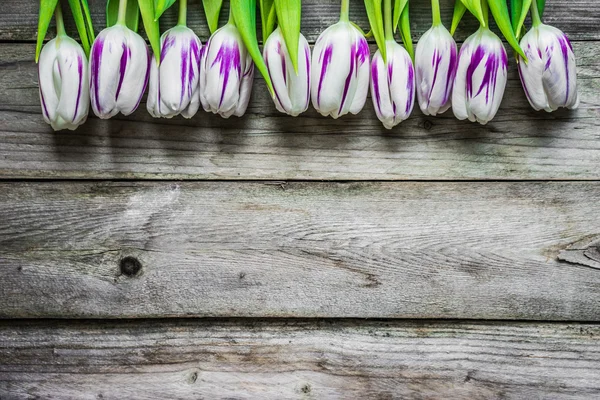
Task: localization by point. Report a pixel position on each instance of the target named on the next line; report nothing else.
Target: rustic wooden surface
(436, 219)
(299, 360)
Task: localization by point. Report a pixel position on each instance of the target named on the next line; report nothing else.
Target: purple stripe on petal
(44, 107)
(325, 58)
(307, 59)
(96, 58)
(274, 86)
(565, 45)
(123, 67)
(80, 74)
(354, 52)
(229, 58)
(183, 72)
(375, 81)
(410, 85)
(149, 56)
(168, 42)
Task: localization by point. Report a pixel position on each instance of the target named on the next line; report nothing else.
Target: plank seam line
(275, 181)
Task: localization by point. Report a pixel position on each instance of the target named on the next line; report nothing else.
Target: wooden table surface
(276, 258)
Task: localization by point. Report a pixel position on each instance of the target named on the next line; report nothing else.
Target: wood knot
(130, 266)
(427, 124)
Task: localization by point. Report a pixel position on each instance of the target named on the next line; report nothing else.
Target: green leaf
(474, 7)
(83, 21)
(133, 14)
(150, 25)
(541, 4)
(405, 32)
(459, 12)
(376, 21)
(47, 8)
(212, 9)
(244, 15)
(398, 8)
(288, 18)
(518, 13)
(499, 11)
(267, 17)
(161, 6)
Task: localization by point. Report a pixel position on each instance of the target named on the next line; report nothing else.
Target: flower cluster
(337, 76)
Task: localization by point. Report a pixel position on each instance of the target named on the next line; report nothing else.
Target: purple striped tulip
(292, 91)
(550, 76)
(226, 73)
(392, 85)
(64, 83)
(435, 63)
(174, 84)
(481, 77)
(340, 71)
(119, 67)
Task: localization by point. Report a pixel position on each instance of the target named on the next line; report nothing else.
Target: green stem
(182, 13)
(486, 13)
(387, 19)
(435, 12)
(535, 14)
(231, 20)
(60, 24)
(345, 11)
(122, 16)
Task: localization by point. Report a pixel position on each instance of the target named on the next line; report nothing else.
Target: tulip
(226, 73)
(174, 87)
(119, 67)
(392, 85)
(64, 83)
(549, 78)
(435, 63)
(292, 90)
(340, 70)
(481, 77)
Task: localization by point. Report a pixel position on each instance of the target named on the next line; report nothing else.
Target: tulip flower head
(64, 83)
(292, 90)
(549, 78)
(392, 85)
(480, 78)
(226, 73)
(340, 70)
(174, 84)
(435, 63)
(119, 67)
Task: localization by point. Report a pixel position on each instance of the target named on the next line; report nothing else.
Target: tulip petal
(133, 72)
(74, 99)
(48, 94)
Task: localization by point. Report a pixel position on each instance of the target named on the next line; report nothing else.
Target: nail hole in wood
(130, 266)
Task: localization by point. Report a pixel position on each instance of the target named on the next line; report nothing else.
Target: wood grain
(577, 18)
(243, 359)
(518, 144)
(366, 250)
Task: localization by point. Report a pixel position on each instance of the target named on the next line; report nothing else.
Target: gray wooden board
(578, 18)
(370, 250)
(518, 144)
(242, 359)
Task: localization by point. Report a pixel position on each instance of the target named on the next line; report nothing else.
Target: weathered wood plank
(578, 18)
(243, 359)
(398, 250)
(518, 144)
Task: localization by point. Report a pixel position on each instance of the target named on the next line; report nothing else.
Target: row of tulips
(336, 77)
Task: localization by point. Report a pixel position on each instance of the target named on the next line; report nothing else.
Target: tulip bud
(549, 78)
(292, 91)
(64, 83)
(480, 78)
(392, 85)
(340, 71)
(174, 87)
(435, 63)
(119, 67)
(226, 73)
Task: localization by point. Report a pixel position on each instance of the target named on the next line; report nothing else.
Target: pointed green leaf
(499, 11)
(212, 9)
(133, 14)
(398, 8)
(150, 25)
(161, 6)
(47, 8)
(405, 32)
(515, 12)
(244, 15)
(267, 17)
(459, 12)
(288, 18)
(375, 15)
(81, 15)
(541, 4)
(474, 7)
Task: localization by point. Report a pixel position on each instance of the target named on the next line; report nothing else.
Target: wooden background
(277, 258)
